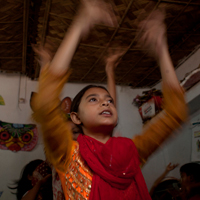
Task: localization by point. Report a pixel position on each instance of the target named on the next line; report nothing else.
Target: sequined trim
(78, 185)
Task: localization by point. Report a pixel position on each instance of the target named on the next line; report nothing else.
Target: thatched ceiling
(26, 22)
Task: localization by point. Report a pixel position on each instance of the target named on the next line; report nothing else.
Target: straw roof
(26, 22)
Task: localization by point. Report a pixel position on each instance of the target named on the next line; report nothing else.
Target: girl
(99, 166)
(111, 62)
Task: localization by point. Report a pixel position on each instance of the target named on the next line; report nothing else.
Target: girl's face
(185, 179)
(97, 109)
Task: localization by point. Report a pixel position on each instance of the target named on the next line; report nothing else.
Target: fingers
(43, 53)
(170, 167)
(169, 164)
(99, 12)
(152, 30)
(114, 55)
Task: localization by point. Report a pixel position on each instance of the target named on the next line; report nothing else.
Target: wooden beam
(9, 58)
(60, 16)
(10, 42)
(25, 33)
(10, 22)
(178, 15)
(33, 34)
(44, 30)
(180, 2)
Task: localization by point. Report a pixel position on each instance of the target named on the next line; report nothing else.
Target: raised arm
(56, 133)
(91, 13)
(161, 177)
(174, 108)
(32, 194)
(111, 63)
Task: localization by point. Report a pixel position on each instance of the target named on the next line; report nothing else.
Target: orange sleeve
(56, 132)
(162, 126)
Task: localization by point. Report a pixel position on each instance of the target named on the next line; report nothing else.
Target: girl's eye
(110, 101)
(92, 100)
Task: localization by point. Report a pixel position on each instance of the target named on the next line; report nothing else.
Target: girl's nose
(105, 103)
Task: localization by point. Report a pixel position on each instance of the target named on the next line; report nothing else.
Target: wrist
(110, 72)
(162, 50)
(110, 66)
(166, 172)
(40, 183)
(78, 24)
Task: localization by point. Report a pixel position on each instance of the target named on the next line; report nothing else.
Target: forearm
(161, 177)
(32, 194)
(166, 67)
(66, 50)
(162, 126)
(111, 84)
(158, 180)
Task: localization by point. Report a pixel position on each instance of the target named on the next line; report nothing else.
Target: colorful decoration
(149, 104)
(191, 79)
(2, 100)
(18, 137)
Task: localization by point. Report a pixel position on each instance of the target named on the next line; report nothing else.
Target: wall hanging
(149, 104)
(2, 100)
(18, 137)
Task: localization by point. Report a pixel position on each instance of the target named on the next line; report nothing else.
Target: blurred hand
(113, 59)
(171, 167)
(94, 12)
(153, 33)
(44, 53)
(46, 180)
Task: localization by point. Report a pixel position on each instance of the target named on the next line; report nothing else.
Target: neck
(98, 135)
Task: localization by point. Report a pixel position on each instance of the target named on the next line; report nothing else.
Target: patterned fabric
(58, 193)
(77, 180)
(18, 137)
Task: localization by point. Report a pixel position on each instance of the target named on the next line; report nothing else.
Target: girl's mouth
(106, 113)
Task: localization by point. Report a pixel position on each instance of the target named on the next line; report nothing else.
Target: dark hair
(77, 99)
(166, 189)
(192, 169)
(24, 184)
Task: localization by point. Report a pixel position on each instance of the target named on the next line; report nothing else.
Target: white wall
(11, 163)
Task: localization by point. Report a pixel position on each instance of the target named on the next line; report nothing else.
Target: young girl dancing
(99, 166)
(111, 62)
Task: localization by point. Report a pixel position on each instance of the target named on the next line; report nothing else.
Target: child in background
(100, 166)
(161, 187)
(24, 187)
(190, 181)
